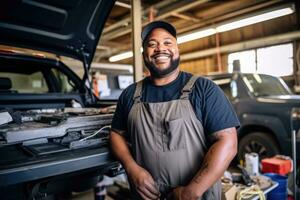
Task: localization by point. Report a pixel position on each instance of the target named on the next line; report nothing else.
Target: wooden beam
(217, 17)
(127, 19)
(188, 17)
(178, 8)
(136, 18)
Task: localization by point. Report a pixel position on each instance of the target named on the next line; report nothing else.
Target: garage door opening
(274, 60)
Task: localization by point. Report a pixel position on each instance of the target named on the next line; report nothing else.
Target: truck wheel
(259, 142)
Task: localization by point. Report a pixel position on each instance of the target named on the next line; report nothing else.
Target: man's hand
(182, 193)
(143, 182)
(141, 179)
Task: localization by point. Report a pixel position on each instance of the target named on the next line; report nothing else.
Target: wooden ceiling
(185, 15)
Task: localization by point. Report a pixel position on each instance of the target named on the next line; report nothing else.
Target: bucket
(280, 192)
(277, 196)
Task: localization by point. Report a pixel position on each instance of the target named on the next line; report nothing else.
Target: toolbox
(276, 165)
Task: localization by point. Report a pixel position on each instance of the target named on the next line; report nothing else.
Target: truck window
(64, 83)
(228, 87)
(26, 82)
(265, 85)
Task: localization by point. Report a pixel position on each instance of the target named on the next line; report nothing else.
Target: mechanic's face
(160, 53)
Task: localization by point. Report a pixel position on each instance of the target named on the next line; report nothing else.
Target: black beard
(157, 73)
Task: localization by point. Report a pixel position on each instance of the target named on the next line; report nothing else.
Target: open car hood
(70, 28)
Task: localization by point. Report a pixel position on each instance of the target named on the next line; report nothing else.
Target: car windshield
(265, 85)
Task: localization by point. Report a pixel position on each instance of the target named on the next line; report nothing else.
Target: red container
(276, 165)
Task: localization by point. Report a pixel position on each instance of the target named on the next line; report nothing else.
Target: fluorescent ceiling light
(254, 19)
(220, 28)
(196, 35)
(121, 56)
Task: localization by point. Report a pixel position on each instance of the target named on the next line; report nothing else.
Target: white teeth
(161, 57)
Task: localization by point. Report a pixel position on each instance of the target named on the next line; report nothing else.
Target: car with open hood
(53, 130)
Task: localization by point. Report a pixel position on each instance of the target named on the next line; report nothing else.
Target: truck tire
(259, 142)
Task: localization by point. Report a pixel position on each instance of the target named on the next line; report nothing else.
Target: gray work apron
(168, 140)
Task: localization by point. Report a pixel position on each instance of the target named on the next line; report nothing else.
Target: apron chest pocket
(174, 135)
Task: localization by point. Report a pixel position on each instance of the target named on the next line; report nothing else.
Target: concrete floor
(88, 195)
(113, 187)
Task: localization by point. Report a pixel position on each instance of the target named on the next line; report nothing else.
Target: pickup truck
(53, 130)
(264, 105)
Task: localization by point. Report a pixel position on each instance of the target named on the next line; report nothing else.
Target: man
(173, 132)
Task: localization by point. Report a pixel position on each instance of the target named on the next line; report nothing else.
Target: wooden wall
(205, 65)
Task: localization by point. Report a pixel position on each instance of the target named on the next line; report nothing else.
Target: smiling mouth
(161, 57)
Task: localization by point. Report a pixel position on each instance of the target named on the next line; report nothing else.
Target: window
(265, 85)
(65, 84)
(228, 86)
(124, 81)
(275, 60)
(26, 83)
(247, 61)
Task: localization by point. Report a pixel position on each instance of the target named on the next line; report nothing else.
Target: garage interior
(204, 47)
(258, 36)
(250, 49)
(209, 51)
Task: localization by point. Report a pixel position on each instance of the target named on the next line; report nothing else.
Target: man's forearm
(215, 163)
(121, 150)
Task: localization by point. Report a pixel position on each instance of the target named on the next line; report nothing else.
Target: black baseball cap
(157, 24)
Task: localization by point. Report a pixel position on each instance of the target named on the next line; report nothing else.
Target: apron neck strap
(138, 92)
(187, 89)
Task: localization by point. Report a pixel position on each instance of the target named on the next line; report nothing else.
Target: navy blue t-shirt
(210, 104)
